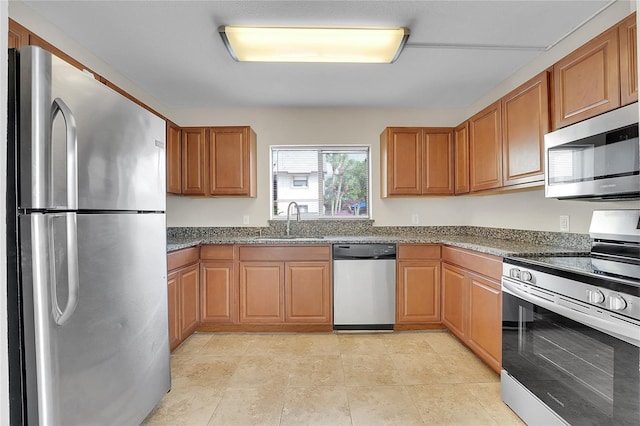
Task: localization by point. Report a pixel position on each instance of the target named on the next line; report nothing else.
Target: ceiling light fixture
(311, 44)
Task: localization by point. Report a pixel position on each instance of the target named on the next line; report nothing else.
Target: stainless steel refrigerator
(87, 247)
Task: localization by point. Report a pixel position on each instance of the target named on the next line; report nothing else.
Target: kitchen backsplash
(366, 228)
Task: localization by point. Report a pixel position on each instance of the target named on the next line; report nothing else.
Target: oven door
(586, 376)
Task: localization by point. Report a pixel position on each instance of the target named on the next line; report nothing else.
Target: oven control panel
(624, 304)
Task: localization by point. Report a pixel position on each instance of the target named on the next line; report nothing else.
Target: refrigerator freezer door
(117, 159)
(108, 362)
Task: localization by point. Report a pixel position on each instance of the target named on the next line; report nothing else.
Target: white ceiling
(457, 50)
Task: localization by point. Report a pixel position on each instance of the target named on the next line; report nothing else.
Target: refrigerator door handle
(72, 150)
(62, 316)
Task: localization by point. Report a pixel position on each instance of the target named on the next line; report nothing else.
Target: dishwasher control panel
(364, 251)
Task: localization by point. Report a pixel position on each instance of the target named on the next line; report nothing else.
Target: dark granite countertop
(494, 246)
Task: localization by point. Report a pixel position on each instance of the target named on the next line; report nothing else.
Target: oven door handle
(623, 329)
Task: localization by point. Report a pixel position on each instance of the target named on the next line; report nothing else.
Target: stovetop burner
(614, 261)
(592, 265)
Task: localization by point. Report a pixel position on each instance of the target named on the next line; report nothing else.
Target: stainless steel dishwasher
(364, 286)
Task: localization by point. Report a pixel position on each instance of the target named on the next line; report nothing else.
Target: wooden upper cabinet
(232, 161)
(194, 161)
(461, 159)
(416, 161)
(401, 161)
(587, 81)
(627, 31)
(525, 121)
(174, 159)
(18, 35)
(485, 148)
(437, 163)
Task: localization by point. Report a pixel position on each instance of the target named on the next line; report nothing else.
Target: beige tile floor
(402, 378)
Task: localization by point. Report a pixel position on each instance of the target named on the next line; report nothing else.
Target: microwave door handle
(627, 332)
(59, 106)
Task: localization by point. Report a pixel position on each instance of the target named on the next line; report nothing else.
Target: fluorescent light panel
(309, 44)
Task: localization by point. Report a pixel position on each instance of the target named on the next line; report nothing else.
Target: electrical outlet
(415, 219)
(564, 223)
(245, 219)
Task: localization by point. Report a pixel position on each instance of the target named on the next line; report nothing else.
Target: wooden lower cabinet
(308, 292)
(218, 284)
(183, 304)
(189, 300)
(285, 292)
(472, 302)
(485, 320)
(454, 300)
(217, 293)
(183, 292)
(418, 284)
(174, 310)
(285, 285)
(261, 292)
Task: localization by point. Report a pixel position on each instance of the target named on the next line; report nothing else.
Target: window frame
(365, 148)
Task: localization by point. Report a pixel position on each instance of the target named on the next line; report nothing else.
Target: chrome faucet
(289, 211)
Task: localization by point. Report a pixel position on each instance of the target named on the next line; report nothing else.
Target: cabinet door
(454, 300)
(216, 292)
(525, 119)
(174, 159)
(418, 292)
(403, 168)
(261, 292)
(485, 149)
(308, 292)
(485, 316)
(628, 60)
(461, 141)
(189, 300)
(194, 161)
(231, 159)
(587, 81)
(173, 285)
(437, 168)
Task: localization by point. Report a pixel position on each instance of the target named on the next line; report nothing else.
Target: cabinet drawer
(216, 252)
(184, 257)
(418, 251)
(285, 253)
(485, 264)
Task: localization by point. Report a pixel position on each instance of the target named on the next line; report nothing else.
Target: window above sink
(327, 182)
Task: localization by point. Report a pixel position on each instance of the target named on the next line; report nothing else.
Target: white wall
(4, 364)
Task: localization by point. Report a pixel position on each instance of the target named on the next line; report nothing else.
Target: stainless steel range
(571, 330)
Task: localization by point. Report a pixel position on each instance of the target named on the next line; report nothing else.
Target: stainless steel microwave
(596, 159)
